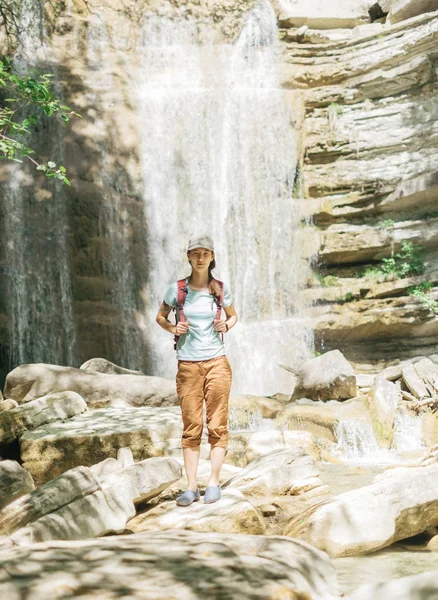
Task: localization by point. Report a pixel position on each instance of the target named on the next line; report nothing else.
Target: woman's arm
(163, 321)
(231, 320)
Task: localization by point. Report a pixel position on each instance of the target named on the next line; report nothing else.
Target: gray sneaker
(188, 498)
(212, 494)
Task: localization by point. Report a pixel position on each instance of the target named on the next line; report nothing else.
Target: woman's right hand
(181, 328)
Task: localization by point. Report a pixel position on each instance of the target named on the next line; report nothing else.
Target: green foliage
(422, 292)
(347, 297)
(409, 261)
(386, 224)
(27, 92)
(336, 108)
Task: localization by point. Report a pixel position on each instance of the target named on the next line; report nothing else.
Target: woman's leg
(191, 459)
(189, 386)
(217, 391)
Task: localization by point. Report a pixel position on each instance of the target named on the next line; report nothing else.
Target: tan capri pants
(209, 379)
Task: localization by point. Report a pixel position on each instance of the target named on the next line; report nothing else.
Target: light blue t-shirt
(201, 342)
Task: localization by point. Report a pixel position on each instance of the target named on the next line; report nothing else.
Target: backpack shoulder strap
(180, 299)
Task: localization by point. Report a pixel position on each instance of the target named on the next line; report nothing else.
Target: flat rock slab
(231, 514)
(14, 482)
(165, 565)
(416, 587)
(96, 435)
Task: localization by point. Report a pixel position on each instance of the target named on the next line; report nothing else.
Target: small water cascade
(219, 155)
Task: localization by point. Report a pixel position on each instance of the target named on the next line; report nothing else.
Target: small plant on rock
(422, 292)
(409, 261)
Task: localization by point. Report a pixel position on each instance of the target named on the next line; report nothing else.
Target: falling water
(219, 155)
(35, 237)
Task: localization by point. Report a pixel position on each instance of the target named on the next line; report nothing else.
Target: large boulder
(326, 377)
(401, 503)
(78, 505)
(282, 472)
(50, 408)
(102, 365)
(98, 434)
(232, 514)
(264, 442)
(28, 382)
(248, 412)
(406, 9)
(415, 587)
(186, 565)
(318, 14)
(383, 401)
(323, 419)
(14, 482)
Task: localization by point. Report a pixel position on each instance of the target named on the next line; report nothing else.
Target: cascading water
(35, 237)
(219, 155)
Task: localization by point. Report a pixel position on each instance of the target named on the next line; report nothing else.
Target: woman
(203, 369)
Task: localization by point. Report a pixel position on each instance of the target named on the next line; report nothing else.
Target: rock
(321, 15)
(414, 587)
(406, 9)
(99, 513)
(48, 409)
(402, 502)
(101, 365)
(96, 435)
(281, 472)
(427, 371)
(166, 565)
(248, 411)
(383, 400)
(326, 377)
(430, 457)
(268, 510)
(264, 442)
(143, 480)
(48, 498)
(432, 544)
(414, 382)
(323, 419)
(27, 382)
(429, 428)
(369, 29)
(105, 467)
(15, 482)
(125, 457)
(233, 514)
(363, 380)
(7, 404)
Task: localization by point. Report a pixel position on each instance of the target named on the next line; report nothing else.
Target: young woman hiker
(203, 369)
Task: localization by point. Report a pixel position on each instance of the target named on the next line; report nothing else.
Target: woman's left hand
(220, 326)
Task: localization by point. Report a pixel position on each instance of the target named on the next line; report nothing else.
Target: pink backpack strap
(180, 299)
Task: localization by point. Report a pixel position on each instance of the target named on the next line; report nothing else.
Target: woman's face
(200, 258)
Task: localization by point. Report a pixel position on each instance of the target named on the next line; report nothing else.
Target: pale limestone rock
(406, 9)
(414, 587)
(323, 15)
(427, 370)
(432, 544)
(429, 428)
(105, 467)
(383, 400)
(125, 457)
(7, 404)
(96, 435)
(241, 566)
(232, 514)
(143, 480)
(245, 409)
(430, 457)
(103, 511)
(414, 382)
(48, 498)
(326, 377)
(369, 29)
(14, 482)
(27, 382)
(402, 502)
(264, 442)
(281, 472)
(48, 409)
(323, 419)
(101, 365)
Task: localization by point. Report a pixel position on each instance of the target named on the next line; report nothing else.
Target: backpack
(181, 298)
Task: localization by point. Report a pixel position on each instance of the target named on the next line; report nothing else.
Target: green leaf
(62, 169)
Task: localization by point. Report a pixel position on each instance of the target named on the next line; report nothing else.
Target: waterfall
(218, 155)
(38, 290)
